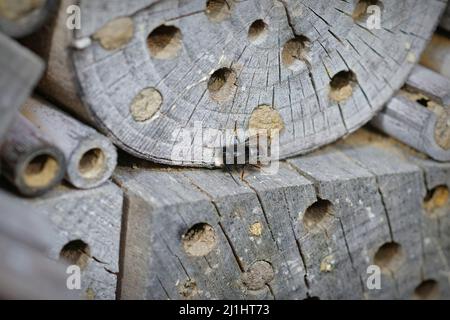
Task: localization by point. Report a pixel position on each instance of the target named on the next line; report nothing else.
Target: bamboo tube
(91, 157)
(31, 163)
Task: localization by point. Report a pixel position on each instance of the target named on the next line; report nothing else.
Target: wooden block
(222, 65)
(311, 230)
(400, 185)
(25, 270)
(87, 224)
(429, 209)
(420, 115)
(19, 72)
(22, 18)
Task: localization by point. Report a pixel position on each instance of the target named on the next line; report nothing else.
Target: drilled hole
(258, 275)
(257, 32)
(199, 240)
(92, 163)
(341, 85)
(389, 257)
(427, 290)
(76, 252)
(360, 11)
(317, 213)
(218, 10)
(165, 42)
(436, 200)
(295, 53)
(222, 84)
(41, 171)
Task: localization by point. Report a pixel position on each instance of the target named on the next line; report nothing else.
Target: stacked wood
(91, 157)
(314, 229)
(419, 115)
(87, 224)
(437, 55)
(25, 270)
(24, 17)
(147, 72)
(29, 160)
(20, 71)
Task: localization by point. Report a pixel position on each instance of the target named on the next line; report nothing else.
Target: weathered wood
(90, 156)
(148, 72)
(87, 224)
(445, 21)
(29, 160)
(22, 18)
(420, 115)
(437, 55)
(435, 210)
(25, 271)
(312, 229)
(20, 70)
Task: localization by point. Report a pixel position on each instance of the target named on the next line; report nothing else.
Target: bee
(240, 155)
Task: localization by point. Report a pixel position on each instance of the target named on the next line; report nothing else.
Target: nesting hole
(92, 163)
(360, 11)
(341, 85)
(389, 257)
(165, 42)
(436, 199)
(317, 213)
(222, 84)
(258, 275)
(41, 171)
(76, 252)
(427, 290)
(199, 240)
(218, 10)
(257, 32)
(423, 101)
(295, 53)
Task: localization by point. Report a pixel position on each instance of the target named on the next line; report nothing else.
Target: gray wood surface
(420, 116)
(309, 231)
(20, 71)
(114, 69)
(25, 270)
(87, 217)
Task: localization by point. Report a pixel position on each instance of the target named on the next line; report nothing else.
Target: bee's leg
(242, 173)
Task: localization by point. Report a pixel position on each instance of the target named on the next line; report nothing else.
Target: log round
(154, 75)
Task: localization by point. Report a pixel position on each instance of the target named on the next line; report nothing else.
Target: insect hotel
(222, 149)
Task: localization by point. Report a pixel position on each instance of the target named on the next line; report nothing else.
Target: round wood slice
(150, 71)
